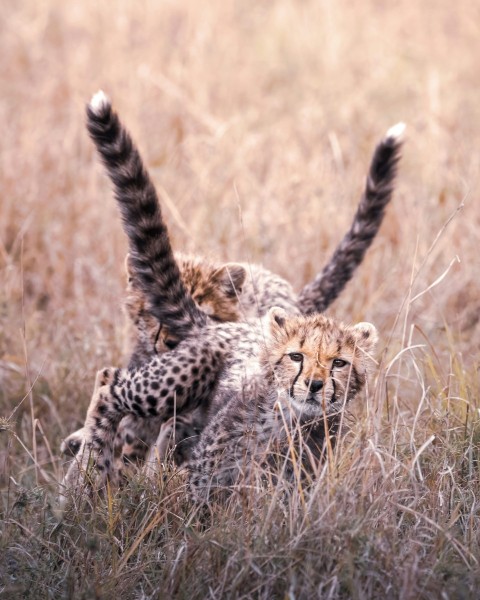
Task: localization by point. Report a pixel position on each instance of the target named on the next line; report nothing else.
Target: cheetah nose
(315, 385)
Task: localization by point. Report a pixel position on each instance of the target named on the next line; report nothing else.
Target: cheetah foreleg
(72, 443)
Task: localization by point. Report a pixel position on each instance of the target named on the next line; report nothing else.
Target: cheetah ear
(230, 279)
(366, 336)
(277, 318)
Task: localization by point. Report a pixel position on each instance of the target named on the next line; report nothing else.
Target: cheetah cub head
(316, 363)
(215, 289)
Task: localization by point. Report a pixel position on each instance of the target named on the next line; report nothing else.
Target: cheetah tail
(324, 289)
(152, 257)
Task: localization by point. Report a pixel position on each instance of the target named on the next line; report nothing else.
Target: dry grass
(257, 119)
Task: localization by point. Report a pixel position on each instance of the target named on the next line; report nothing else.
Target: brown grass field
(257, 120)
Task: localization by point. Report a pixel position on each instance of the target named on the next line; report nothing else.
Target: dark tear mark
(296, 378)
(334, 395)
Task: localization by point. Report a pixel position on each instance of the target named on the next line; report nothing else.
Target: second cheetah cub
(311, 367)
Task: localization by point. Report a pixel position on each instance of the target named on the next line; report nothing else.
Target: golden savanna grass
(257, 121)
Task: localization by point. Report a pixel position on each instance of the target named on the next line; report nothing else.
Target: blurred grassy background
(257, 120)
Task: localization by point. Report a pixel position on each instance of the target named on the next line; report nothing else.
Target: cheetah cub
(170, 296)
(310, 368)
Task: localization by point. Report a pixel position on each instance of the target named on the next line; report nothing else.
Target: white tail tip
(99, 102)
(396, 131)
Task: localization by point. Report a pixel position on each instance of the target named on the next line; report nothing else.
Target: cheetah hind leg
(150, 391)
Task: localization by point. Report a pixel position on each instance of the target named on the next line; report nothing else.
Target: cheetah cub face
(317, 364)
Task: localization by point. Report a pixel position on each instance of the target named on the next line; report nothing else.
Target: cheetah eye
(338, 363)
(170, 344)
(296, 356)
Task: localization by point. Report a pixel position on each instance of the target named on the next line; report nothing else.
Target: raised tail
(152, 257)
(322, 291)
